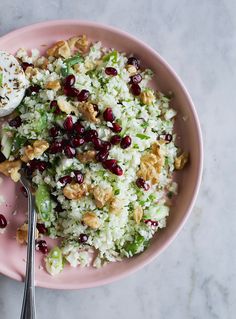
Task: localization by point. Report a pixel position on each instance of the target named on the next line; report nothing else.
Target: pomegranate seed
(134, 61)
(54, 107)
(79, 128)
(168, 137)
(97, 143)
(41, 246)
(65, 179)
(41, 228)
(16, 122)
(37, 164)
(79, 177)
(102, 156)
(115, 139)
(117, 170)
(2, 157)
(32, 89)
(58, 208)
(141, 183)
(106, 146)
(116, 128)
(125, 142)
(108, 115)
(68, 123)
(154, 223)
(3, 221)
(71, 91)
(54, 131)
(25, 65)
(135, 89)
(77, 141)
(150, 222)
(89, 135)
(83, 95)
(83, 238)
(111, 71)
(64, 143)
(69, 80)
(69, 151)
(24, 192)
(135, 79)
(95, 106)
(55, 147)
(108, 164)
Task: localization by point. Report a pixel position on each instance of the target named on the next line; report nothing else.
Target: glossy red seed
(116, 128)
(41, 246)
(141, 183)
(69, 80)
(83, 238)
(89, 135)
(168, 137)
(135, 79)
(97, 143)
(25, 65)
(16, 122)
(154, 223)
(77, 141)
(108, 164)
(71, 91)
(54, 131)
(55, 147)
(79, 177)
(41, 228)
(106, 146)
(134, 61)
(108, 115)
(125, 142)
(3, 221)
(95, 106)
(83, 96)
(42, 165)
(68, 123)
(69, 151)
(117, 170)
(115, 139)
(37, 164)
(65, 179)
(111, 71)
(102, 156)
(65, 142)
(79, 128)
(135, 89)
(24, 192)
(54, 107)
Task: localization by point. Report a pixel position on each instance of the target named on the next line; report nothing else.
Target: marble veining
(195, 278)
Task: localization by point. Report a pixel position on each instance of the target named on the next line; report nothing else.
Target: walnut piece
(131, 69)
(87, 157)
(66, 106)
(35, 151)
(75, 191)
(53, 85)
(181, 161)
(88, 111)
(102, 196)
(30, 72)
(151, 164)
(22, 234)
(80, 43)
(60, 49)
(138, 214)
(11, 168)
(116, 205)
(90, 219)
(147, 97)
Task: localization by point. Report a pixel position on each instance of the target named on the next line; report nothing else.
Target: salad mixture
(97, 143)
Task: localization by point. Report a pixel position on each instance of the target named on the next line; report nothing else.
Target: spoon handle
(28, 306)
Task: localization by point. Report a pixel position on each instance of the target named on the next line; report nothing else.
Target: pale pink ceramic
(12, 255)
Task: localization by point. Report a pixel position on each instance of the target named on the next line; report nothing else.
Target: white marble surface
(196, 277)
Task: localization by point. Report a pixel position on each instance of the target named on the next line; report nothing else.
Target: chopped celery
(54, 261)
(6, 142)
(43, 202)
(142, 136)
(1, 78)
(41, 124)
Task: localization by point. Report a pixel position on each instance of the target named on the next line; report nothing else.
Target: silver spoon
(28, 305)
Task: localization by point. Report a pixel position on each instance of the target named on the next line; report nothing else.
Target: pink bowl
(12, 256)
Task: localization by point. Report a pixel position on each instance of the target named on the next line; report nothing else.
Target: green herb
(1, 78)
(142, 136)
(69, 63)
(145, 124)
(136, 246)
(170, 195)
(117, 192)
(19, 142)
(136, 146)
(42, 123)
(112, 56)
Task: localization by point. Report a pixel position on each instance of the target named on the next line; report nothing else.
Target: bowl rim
(101, 282)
